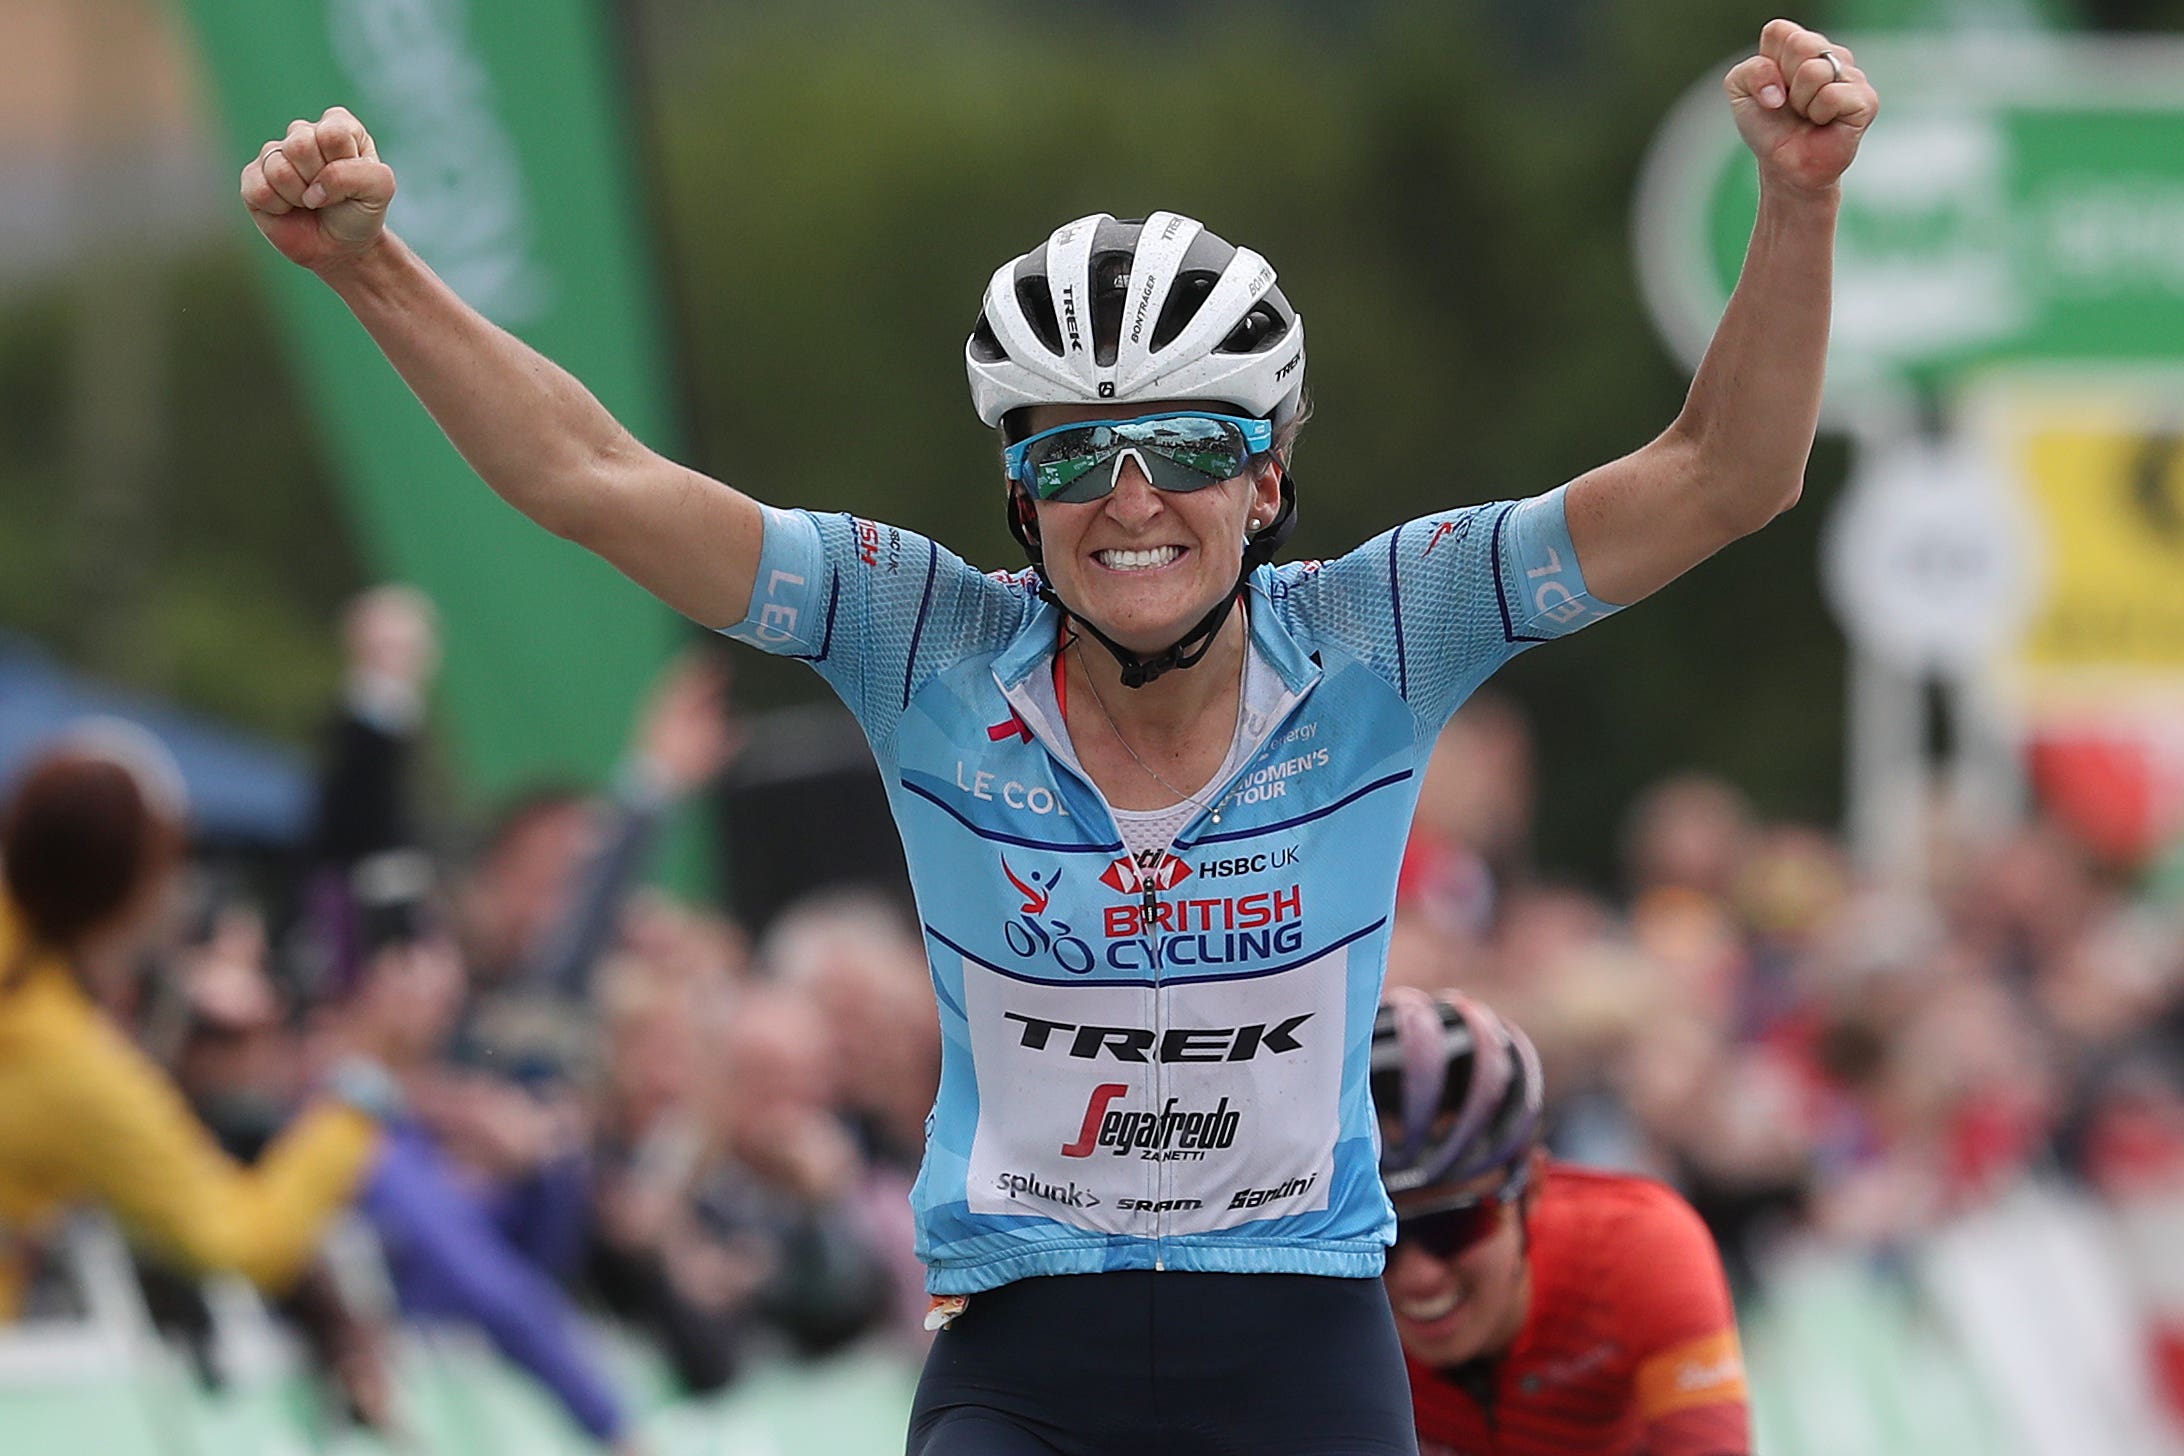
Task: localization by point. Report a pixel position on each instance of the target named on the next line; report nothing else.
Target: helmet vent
(1037, 301)
(1260, 329)
(1110, 292)
(1185, 297)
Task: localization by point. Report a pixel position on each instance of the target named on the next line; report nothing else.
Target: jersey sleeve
(873, 608)
(1688, 1382)
(1437, 604)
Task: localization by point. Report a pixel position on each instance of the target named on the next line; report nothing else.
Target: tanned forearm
(1754, 404)
(545, 445)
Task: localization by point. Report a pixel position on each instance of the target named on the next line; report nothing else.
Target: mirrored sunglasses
(1178, 452)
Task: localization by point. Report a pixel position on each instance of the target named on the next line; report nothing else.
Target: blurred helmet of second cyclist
(1184, 364)
(1459, 1096)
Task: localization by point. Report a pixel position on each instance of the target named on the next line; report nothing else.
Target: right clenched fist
(320, 193)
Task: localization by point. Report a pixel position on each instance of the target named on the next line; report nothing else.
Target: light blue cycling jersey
(1159, 1065)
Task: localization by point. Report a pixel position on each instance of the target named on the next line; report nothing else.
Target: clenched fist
(1802, 105)
(320, 193)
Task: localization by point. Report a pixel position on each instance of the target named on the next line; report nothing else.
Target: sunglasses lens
(1448, 1232)
(1054, 477)
(1212, 448)
(1183, 453)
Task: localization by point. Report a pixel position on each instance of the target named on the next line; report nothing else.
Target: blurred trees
(1445, 188)
(1450, 215)
(223, 592)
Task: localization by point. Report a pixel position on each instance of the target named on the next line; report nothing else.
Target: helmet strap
(1186, 651)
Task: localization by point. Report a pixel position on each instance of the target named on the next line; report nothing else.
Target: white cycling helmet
(1133, 311)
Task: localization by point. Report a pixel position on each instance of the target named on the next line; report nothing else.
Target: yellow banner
(2098, 468)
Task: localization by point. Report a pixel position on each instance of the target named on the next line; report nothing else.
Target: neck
(1176, 702)
(1520, 1309)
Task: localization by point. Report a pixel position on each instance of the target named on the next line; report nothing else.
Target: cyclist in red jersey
(1543, 1308)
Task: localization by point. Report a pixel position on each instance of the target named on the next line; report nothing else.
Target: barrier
(458, 1399)
(2014, 1332)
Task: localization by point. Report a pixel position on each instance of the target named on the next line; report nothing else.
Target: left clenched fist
(1802, 105)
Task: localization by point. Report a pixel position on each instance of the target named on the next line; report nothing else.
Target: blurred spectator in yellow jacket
(90, 842)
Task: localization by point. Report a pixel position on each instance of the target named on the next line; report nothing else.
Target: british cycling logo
(1189, 930)
(1035, 935)
(1208, 917)
(1026, 1185)
(1037, 893)
(1171, 1135)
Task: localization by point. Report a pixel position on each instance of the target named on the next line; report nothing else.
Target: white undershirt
(1145, 831)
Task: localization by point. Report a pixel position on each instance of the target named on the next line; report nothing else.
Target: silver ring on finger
(1835, 63)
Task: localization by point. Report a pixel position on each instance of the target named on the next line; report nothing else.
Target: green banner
(1955, 15)
(2017, 204)
(506, 127)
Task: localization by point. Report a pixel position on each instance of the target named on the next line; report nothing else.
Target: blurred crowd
(607, 1103)
(602, 1101)
(1813, 1057)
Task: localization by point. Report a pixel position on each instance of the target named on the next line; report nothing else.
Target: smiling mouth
(1147, 560)
(1426, 1311)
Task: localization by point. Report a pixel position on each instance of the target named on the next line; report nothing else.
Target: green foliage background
(1445, 188)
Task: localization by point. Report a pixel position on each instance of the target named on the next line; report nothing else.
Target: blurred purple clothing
(452, 1259)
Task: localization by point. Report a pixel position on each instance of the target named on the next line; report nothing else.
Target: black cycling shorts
(1139, 1363)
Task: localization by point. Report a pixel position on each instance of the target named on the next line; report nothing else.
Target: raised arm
(1735, 457)
(530, 430)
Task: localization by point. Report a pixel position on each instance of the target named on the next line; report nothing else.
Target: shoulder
(1440, 537)
(45, 1017)
(71, 1079)
(1587, 1203)
(1655, 1264)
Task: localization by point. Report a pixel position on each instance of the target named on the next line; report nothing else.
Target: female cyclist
(1546, 1310)
(1153, 791)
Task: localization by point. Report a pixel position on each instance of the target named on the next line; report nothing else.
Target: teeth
(1425, 1311)
(1138, 560)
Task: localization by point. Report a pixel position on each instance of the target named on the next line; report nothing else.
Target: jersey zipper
(1151, 928)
